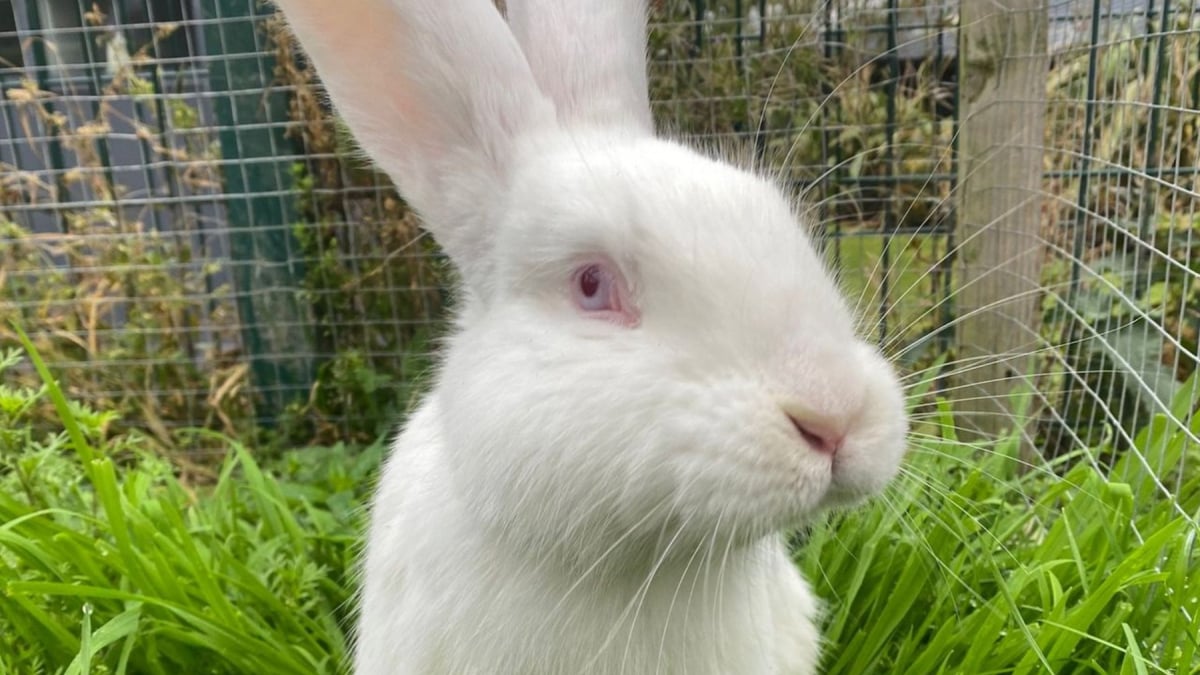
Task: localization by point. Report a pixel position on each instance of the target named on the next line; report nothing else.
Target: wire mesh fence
(177, 222)
(190, 240)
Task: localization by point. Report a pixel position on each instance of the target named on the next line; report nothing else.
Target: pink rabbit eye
(592, 281)
(599, 291)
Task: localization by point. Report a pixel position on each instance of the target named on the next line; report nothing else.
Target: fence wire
(187, 237)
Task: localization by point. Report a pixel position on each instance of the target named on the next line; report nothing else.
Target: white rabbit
(650, 376)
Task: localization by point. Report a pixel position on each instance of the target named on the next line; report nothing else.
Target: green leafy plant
(970, 563)
(113, 564)
(975, 564)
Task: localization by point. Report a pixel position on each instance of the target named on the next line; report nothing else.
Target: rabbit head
(646, 339)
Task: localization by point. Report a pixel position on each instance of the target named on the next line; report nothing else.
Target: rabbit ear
(436, 92)
(589, 57)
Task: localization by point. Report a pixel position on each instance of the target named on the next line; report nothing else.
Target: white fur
(577, 496)
(589, 57)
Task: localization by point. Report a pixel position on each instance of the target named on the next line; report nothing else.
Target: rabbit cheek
(552, 444)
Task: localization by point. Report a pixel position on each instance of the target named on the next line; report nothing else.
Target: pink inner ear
(437, 93)
(370, 99)
(428, 92)
(404, 121)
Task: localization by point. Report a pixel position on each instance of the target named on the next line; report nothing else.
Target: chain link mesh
(189, 237)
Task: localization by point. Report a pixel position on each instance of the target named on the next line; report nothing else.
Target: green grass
(110, 564)
(971, 565)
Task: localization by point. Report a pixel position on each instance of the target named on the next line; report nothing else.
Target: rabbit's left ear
(439, 94)
(589, 57)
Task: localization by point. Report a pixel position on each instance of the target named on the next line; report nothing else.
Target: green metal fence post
(276, 329)
(40, 65)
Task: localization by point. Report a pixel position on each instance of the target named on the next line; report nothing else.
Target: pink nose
(821, 436)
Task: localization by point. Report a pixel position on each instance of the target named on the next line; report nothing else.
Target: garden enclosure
(189, 241)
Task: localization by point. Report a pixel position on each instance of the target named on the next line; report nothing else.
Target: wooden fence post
(1003, 65)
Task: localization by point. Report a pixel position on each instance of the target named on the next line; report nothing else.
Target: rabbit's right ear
(436, 92)
(589, 56)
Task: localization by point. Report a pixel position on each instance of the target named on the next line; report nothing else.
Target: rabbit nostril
(820, 439)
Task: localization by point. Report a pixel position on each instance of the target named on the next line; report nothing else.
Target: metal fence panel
(184, 228)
